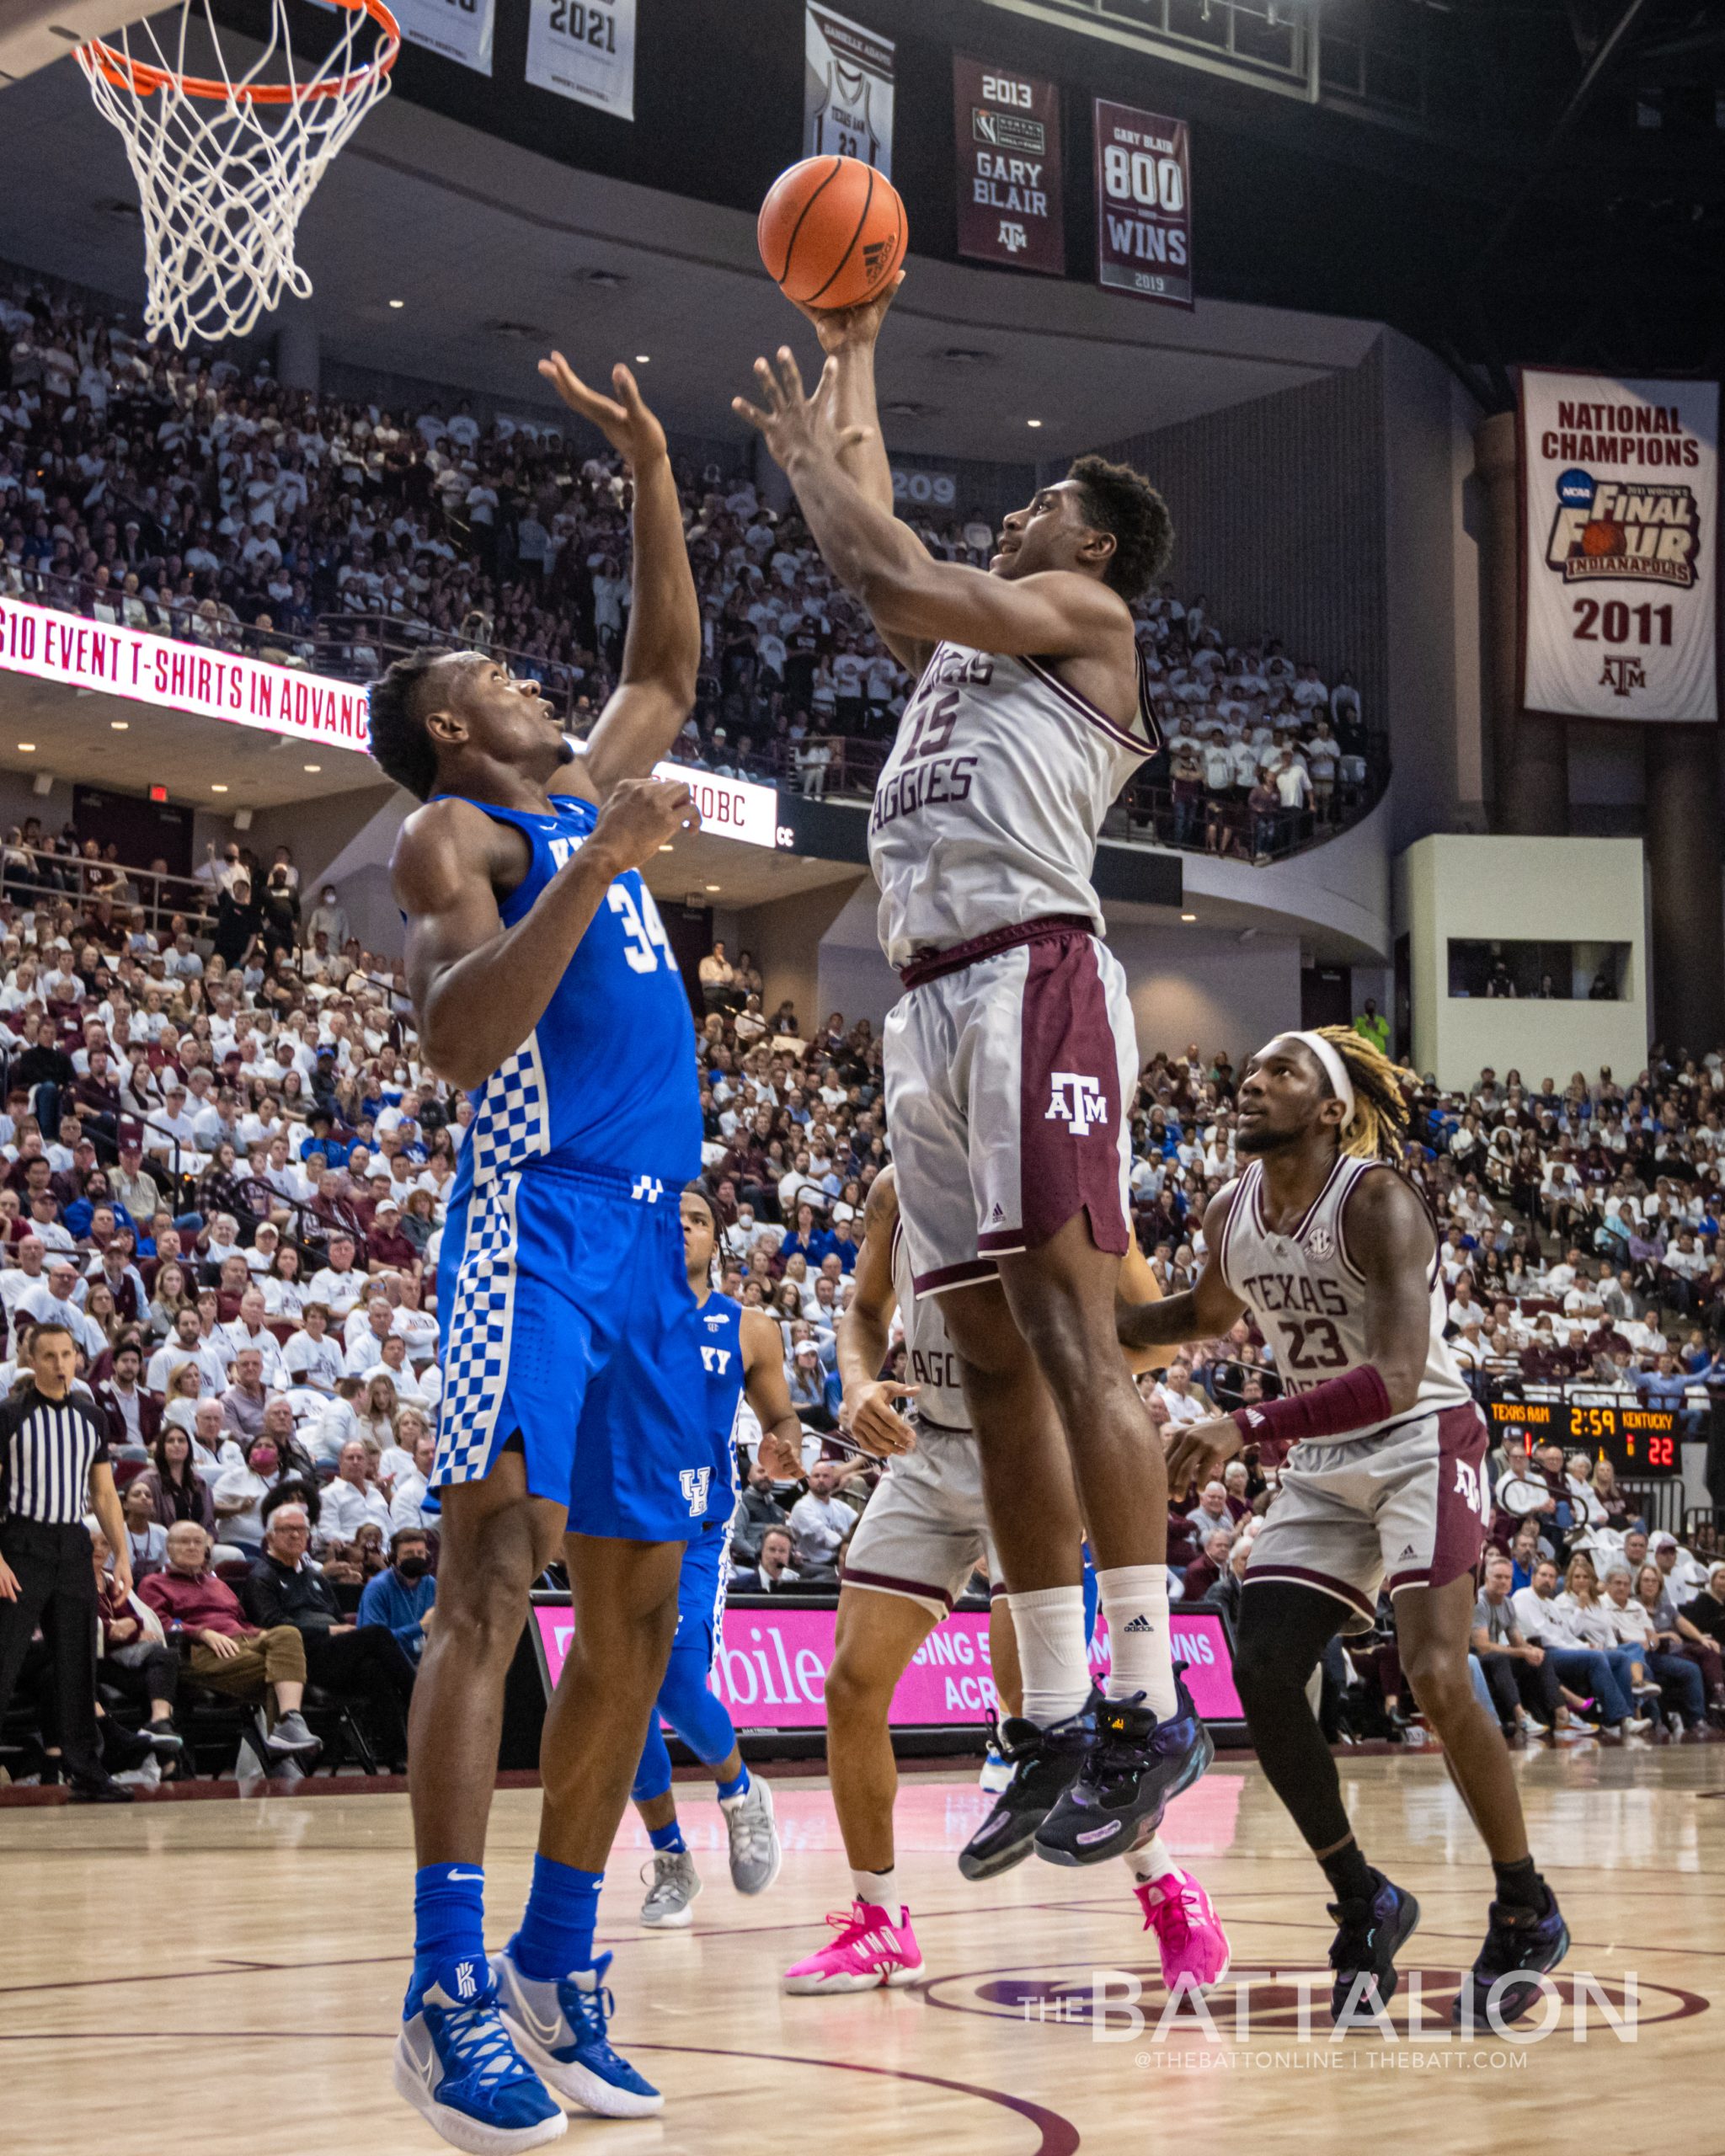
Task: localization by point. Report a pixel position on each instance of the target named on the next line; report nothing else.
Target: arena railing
(357, 645)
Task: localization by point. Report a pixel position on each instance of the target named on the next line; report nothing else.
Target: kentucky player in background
(742, 1354)
(1334, 1253)
(1011, 1063)
(923, 1535)
(573, 1416)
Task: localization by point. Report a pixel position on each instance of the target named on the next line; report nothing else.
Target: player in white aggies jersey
(1334, 1253)
(923, 1535)
(1012, 1062)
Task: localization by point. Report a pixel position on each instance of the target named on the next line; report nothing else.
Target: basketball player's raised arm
(1203, 1312)
(766, 1392)
(848, 336)
(867, 1412)
(1055, 614)
(478, 989)
(656, 692)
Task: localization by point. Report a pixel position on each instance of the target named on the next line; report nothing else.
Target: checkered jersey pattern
(512, 1117)
(475, 1369)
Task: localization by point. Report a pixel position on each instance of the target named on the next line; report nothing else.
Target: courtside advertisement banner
(1143, 205)
(1006, 130)
(771, 1671)
(847, 90)
(1620, 574)
(584, 49)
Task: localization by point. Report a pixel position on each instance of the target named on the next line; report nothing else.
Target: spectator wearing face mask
(403, 1597)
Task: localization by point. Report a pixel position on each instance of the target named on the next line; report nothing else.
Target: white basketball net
(225, 164)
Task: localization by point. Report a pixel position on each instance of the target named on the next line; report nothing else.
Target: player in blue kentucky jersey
(744, 1355)
(574, 1412)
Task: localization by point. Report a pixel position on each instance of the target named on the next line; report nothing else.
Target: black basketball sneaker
(1519, 1940)
(1043, 1763)
(1135, 1766)
(1369, 1936)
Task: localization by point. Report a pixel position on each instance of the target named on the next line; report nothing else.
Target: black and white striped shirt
(47, 1449)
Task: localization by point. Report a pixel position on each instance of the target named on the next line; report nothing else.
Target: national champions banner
(847, 90)
(1620, 571)
(460, 30)
(1143, 204)
(584, 49)
(1006, 130)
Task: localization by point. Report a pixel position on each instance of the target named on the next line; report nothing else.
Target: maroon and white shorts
(1010, 1077)
(1408, 1507)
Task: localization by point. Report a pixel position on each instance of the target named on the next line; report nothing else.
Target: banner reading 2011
(1619, 529)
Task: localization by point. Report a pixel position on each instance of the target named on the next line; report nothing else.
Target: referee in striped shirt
(54, 1470)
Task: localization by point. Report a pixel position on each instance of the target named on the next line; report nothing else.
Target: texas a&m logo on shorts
(1078, 1101)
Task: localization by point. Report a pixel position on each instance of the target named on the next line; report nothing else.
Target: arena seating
(183, 496)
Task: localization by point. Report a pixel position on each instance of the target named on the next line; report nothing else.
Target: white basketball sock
(878, 1888)
(1052, 1657)
(1155, 1860)
(1135, 1600)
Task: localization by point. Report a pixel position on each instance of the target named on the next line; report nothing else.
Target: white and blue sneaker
(456, 2065)
(558, 2023)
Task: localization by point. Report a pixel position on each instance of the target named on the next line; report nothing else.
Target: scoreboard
(1636, 1440)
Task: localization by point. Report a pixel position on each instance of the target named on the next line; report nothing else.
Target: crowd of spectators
(181, 494)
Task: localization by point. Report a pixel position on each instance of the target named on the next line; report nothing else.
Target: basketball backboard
(36, 33)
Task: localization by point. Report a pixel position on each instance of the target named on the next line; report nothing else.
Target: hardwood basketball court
(189, 1976)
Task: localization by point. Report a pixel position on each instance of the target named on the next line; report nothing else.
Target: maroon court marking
(1059, 2136)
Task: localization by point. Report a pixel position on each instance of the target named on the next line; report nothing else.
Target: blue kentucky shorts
(572, 1327)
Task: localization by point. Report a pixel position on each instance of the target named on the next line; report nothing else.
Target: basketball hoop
(225, 163)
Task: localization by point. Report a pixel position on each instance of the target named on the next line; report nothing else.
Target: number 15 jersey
(1308, 1294)
(607, 1080)
(987, 810)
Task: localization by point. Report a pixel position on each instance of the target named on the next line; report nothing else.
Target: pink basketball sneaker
(869, 1951)
(1187, 1929)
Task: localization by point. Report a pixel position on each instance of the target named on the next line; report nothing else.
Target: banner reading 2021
(1620, 532)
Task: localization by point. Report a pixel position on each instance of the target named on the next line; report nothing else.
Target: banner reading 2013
(1620, 532)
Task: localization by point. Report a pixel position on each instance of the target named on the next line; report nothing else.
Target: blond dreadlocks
(1378, 1127)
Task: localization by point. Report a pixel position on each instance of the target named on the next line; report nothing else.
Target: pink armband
(1329, 1410)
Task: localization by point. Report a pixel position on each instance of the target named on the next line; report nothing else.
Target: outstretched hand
(793, 422)
(1199, 1450)
(840, 329)
(624, 419)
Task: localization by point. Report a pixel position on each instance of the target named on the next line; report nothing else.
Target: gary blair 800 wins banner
(1620, 568)
(1143, 204)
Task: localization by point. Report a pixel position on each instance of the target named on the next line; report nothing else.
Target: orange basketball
(1600, 535)
(832, 231)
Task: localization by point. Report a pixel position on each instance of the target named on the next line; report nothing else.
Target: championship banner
(460, 30)
(1143, 205)
(584, 49)
(1620, 486)
(1007, 138)
(847, 90)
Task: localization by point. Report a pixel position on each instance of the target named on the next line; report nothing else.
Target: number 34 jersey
(986, 812)
(607, 1080)
(1308, 1294)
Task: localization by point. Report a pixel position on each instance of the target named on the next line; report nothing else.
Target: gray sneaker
(291, 1734)
(675, 1883)
(755, 1855)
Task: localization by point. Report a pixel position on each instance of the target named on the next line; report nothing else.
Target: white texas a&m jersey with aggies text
(986, 812)
(1309, 1297)
(930, 1363)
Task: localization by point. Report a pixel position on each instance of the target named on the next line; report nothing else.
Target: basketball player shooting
(1335, 1254)
(923, 1535)
(1012, 1061)
(574, 1409)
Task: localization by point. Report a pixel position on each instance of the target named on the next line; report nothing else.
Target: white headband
(1334, 1070)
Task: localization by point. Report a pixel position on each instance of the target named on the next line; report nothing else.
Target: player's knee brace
(1284, 1629)
(688, 1703)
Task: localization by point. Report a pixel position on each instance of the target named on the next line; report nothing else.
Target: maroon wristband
(1329, 1410)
